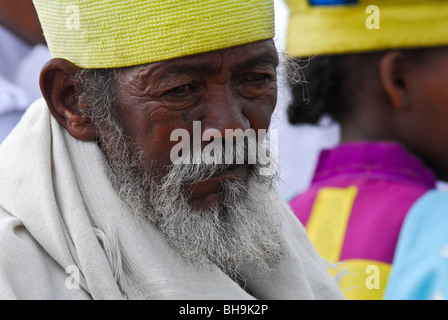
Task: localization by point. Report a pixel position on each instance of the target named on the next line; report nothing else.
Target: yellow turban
(316, 27)
(120, 33)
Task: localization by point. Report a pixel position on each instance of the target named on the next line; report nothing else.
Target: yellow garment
(349, 28)
(328, 221)
(326, 228)
(366, 279)
(120, 33)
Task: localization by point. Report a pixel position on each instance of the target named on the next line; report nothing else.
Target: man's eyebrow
(160, 71)
(264, 59)
(189, 68)
(164, 71)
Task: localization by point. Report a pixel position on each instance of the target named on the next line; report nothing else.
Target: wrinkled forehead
(260, 53)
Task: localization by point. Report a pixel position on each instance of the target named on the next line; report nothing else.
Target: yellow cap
(359, 27)
(119, 33)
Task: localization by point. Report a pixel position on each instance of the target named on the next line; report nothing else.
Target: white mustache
(221, 155)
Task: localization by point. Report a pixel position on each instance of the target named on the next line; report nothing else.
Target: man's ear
(393, 72)
(61, 94)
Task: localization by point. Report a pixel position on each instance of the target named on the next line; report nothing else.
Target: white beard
(229, 236)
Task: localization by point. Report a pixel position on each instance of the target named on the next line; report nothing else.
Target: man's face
(208, 213)
(228, 89)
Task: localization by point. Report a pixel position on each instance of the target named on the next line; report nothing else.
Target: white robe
(55, 194)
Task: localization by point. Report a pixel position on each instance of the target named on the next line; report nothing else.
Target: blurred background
(22, 55)
(299, 145)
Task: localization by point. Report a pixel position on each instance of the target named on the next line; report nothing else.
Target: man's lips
(232, 170)
(206, 192)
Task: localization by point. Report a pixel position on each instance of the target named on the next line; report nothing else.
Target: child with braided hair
(388, 93)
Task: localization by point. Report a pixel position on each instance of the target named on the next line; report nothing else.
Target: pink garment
(389, 181)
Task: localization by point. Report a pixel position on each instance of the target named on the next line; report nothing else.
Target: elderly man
(92, 205)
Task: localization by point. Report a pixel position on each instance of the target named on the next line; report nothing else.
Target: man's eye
(180, 90)
(257, 77)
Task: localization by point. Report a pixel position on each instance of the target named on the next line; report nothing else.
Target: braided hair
(330, 84)
(318, 90)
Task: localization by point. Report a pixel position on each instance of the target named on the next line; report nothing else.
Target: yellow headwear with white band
(120, 33)
(348, 26)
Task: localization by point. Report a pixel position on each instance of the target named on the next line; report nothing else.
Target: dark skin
(405, 99)
(234, 88)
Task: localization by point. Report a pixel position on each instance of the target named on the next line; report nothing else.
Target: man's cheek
(180, 152)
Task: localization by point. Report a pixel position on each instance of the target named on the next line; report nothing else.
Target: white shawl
(56, 202)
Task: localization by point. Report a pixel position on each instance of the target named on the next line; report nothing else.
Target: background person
(385, 88)
(299, 144)
(420, 264)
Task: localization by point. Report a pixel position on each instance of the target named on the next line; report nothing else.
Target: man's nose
(223, 114)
